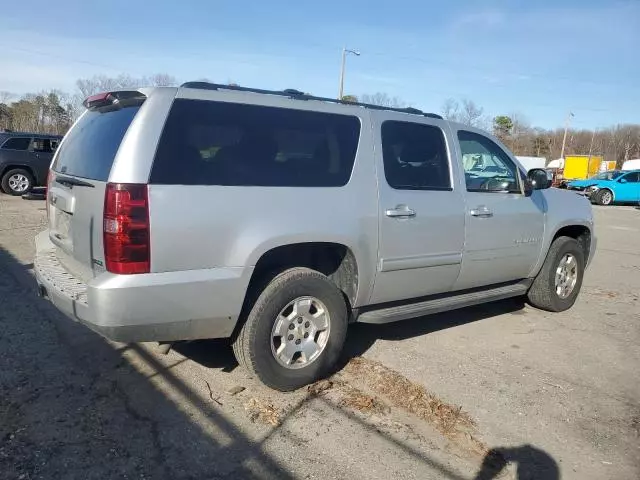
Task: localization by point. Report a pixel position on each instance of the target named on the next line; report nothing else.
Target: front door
(628, 188)
(505, 227)
(421, 211)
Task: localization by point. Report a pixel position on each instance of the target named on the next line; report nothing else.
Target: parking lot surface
(453, 396)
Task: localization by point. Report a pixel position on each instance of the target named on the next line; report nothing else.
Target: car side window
(42, 145)
(17, 143)
(632, 177)
(223, 143)
(415, 156)
(487, 168)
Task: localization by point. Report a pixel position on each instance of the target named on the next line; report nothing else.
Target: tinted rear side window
(216, 143)
(415, 156)
(90, 147)
(17, 143)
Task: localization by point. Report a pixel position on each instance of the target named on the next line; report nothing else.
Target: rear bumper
(148, 307)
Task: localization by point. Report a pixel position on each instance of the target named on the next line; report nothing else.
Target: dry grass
(358, 400)
(263, 411)
(400, 392)
(320, 387)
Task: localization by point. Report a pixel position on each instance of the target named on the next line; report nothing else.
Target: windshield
(612, 175)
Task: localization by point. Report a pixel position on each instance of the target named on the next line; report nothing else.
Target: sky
(539, 59)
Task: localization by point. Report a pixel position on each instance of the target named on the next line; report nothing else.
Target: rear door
(421, 212)
(42, 154)
(80, 173)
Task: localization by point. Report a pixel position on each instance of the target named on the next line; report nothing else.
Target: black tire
(542, 293)
(7, 188)
(252, 343)
(604, 197)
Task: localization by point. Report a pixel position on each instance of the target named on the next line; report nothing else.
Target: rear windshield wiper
(70, 181)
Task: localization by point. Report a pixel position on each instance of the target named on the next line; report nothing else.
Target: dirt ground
(452, 396)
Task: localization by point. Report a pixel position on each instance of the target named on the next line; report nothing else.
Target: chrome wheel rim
(18, 182)
(300, 332)
(566, 275)
(606, 198)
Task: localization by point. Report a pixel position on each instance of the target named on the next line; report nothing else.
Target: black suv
(25, 160)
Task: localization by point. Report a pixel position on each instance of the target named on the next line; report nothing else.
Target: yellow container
(579, 167)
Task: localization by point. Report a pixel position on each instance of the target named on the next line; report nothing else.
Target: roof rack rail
(298, 95)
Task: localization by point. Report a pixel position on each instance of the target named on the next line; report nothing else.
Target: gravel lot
(450, 396)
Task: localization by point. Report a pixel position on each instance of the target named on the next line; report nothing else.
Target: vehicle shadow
(214, 353)
(362, 337)
(81, 408)
(530, 463)
(73, 406)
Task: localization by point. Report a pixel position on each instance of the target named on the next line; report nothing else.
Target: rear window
(90, 147)
(17, 143)
(215, 143)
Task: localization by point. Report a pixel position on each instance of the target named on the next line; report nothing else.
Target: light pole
(345, 50)
(593, 136)
(566, 128)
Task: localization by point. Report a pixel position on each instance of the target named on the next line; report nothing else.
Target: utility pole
(593, 135)
(564, 139)
(345, 50)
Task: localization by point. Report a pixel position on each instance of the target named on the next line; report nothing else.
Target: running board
(443, 304)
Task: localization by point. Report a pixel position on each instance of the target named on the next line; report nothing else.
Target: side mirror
(623, 180)
(539, 178)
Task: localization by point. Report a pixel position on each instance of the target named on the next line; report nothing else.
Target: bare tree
(451, 110)
(382, 99)
(472, 114)
(465, 111)
(162, 80)
(6, 96)
(103, 83)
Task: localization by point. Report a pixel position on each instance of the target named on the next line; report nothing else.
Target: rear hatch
(78, 180)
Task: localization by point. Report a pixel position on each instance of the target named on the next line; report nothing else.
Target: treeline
(45, 112)
(54, 111)
(619, 142)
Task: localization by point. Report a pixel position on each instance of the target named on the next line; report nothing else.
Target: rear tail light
(126, 228)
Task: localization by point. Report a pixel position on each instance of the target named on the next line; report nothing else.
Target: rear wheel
(557, 285)
(295, 330)
(17, 182)
(604, 197)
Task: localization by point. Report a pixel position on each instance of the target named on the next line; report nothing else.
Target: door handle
(401, 211)
(481, 212)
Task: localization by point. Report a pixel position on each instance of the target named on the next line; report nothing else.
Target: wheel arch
(579, 232)
(335, 259)
(14, 166)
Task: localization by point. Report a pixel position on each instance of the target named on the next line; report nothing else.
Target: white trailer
(532, 162)
(631, 164)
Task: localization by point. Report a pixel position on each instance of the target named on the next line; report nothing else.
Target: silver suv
(276, 218)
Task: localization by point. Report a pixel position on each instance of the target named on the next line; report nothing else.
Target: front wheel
(295, 330)
(557, 285)
(604, 197)
(17, 182)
